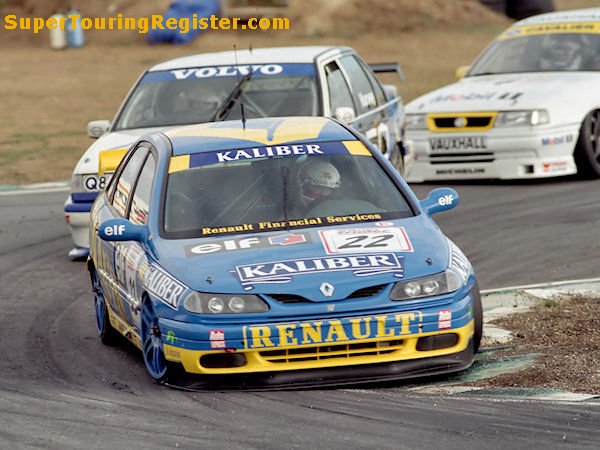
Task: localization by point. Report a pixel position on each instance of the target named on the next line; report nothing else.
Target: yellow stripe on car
(287, 130)
(179, 163)
(357, 148)
(551, 28)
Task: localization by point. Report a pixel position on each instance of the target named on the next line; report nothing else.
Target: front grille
(471, 122)
(289, 298)
(453, 158)
(322, 352)
(475, 121)
(366, 292)
(370, 291)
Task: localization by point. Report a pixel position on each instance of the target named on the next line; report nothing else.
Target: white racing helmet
(316, 180)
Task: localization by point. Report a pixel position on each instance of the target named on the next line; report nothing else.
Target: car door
(130, 255)
(368, 96)
(119, 202)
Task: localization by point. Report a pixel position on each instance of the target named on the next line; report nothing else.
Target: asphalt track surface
(61, 388)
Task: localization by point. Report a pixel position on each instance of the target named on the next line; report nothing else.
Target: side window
(379, 94)
(140, 204)
(363, 94)
(127, 179)
(339, 92)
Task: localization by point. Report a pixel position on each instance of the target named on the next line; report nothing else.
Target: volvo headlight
(438, 284)
(416, 121)
(77, 183)
(522, 118)
(202, 303)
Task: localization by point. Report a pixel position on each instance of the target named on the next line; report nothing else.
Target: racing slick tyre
(478, 317)
(108, 335)
(587, 150)
(152, 347)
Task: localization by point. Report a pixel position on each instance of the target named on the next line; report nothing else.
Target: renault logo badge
(327, 289)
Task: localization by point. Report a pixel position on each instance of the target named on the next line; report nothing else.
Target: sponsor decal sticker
(332, 331)
(247, 243)
(556, 140)
(445, 319)
(552, 28)
(458, 261)
(283, 271)
(163, 286)
(227, 71)
(446, 200)
(299, 223)
(272, 151)
(171, 338)
(555, 167)
(458, 143)
(353, 240)
(463, 171)
(217, 339)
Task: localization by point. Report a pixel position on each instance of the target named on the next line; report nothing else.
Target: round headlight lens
(412, 289)
(237, 304)
(431, 287)
(216, 305)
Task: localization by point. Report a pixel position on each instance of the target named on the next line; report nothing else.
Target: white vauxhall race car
(271, 82)
(528, 107)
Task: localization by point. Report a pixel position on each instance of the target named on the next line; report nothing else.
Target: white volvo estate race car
(272, 82)
(528, 107)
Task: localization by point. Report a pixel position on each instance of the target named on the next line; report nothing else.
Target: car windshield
(540, 53)
(273, 188)
(187, 96)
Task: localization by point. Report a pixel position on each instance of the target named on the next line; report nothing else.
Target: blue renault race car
(278, 252)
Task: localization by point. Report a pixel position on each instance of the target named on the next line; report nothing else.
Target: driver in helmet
(317, 181)
(562, 52)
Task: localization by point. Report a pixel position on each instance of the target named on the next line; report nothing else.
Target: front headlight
(202, 303)
(77, 183)
(522, 118)
(438, 284)
(416, 122)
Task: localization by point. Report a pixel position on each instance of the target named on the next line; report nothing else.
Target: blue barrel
(180, 9)
(74, 32)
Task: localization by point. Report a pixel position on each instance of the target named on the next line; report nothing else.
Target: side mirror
(122, 230)
(344, 114)
(461, 72)
(97, 128)
(441, 199)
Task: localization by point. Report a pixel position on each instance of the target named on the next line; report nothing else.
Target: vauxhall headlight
(416, 122)
(202, 303)
(522, 118)
(438, 284)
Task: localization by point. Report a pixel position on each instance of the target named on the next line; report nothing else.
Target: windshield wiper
(285, 174)
(225, 108)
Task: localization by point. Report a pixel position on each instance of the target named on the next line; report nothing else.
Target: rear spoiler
(388, 68)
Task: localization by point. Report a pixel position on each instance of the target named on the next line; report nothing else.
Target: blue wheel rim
(154, 356)
(99, 305)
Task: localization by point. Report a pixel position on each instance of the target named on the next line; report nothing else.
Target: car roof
(576, 15)
(228, 135)
(274, 55)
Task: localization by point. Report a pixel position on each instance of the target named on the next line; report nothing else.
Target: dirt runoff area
(565, 332)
